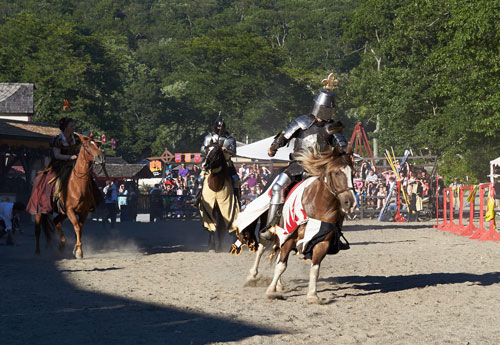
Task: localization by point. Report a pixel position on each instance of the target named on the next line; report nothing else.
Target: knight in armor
(220, 135)
(314, 131)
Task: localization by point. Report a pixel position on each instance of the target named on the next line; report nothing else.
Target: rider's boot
(276, 205)
(273, 218)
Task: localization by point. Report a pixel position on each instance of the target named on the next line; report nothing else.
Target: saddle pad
(293, 210)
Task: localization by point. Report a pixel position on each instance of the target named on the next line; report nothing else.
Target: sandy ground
(154, 283)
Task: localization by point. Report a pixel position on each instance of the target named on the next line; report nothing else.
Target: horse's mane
(319, 163)
(215, 157)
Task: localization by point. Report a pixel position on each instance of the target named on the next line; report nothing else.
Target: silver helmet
(219, 125)
(323, 105)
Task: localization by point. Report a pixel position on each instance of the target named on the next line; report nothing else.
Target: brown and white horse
(326, 199)
(78, 198)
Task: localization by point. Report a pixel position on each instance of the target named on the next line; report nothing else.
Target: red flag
(66, 104)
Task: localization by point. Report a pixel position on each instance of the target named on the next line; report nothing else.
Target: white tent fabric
(493, 164)
(258, 150)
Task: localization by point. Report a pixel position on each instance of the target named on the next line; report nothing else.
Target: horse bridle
(91, 166)
(328, 181)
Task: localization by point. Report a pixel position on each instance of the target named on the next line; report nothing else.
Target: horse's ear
(81, 136)
(91, 136)
(349, 149)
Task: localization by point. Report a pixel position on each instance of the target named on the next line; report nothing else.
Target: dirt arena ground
(155, 283)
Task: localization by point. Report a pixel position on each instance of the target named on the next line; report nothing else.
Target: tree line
(155, 73)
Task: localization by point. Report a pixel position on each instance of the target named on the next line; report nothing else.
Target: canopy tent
(494, 163)
(258, 150)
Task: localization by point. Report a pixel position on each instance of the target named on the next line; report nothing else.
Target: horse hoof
(313, 299)
(274, 295)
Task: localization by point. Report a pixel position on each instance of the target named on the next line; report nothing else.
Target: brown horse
(218, 206)
(327, 197)
(78, 198)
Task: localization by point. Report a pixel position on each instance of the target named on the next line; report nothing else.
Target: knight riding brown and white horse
(78, 198)
(327, 196)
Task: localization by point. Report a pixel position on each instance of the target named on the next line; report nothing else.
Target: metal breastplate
(314, 136)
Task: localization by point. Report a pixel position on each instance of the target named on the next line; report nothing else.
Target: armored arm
(281, 139)
(337, 137)
(207, 141)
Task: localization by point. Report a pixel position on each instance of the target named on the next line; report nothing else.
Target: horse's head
(336, 170)
(339, 178)
(215, 158)
(90, 149)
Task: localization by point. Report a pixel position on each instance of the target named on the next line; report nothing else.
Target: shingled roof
(15, 132)
(16, 98)
(133, 171)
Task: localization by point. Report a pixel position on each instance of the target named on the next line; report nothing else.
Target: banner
(178, 157)
(187, 157)
(155, 166)
(197, 157)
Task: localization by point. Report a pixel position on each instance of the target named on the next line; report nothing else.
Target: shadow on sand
(381, 284)
(40, 306)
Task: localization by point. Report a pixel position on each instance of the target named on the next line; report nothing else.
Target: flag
(472, 195)
(65, 104)
(490, 211)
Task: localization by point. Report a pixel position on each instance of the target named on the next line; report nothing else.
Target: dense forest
(155, 73)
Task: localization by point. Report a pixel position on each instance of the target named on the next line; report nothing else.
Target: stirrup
(342, 245)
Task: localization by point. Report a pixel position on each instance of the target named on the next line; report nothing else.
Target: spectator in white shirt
(371, 177)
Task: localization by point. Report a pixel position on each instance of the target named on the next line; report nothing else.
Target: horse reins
(87, 173)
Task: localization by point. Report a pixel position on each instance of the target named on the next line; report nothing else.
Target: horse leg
(319, 253)
(38, 219)
(252, 275)
(220, 230)
(211, 242)
(77, 251)
(58, 223)
(280, 268)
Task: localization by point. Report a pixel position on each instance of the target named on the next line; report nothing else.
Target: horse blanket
(225, 200)
(293, 214)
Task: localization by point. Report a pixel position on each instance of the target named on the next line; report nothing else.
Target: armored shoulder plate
(207, 141)
(230, 145)
(302, 122)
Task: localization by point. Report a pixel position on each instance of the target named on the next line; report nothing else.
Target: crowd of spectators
(171, 199)
(371, 189)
